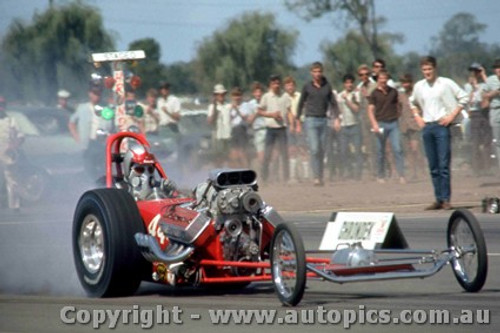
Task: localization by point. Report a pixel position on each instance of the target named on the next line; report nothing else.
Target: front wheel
(288, 264)
(108, 261)
(465, 237)
(33, 185)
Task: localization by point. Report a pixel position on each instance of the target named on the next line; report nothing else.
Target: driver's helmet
(139, 169)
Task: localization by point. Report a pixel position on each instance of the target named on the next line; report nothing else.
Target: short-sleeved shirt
(363, 102)
(150, 122)
(294, 100)
(493, 84)
(222, 121)
(475, 95)
(251, 107)
(236, 118)
(386, 104)
(8, 131)
(348, 117)
(272, 102)
(172, 104)
(88, 123)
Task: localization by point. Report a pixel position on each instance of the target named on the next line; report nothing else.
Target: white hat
(219, 89)
(63, 94)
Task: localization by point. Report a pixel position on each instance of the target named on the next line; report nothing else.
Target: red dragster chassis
(140, 228)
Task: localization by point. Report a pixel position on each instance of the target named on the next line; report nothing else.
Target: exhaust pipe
(151, 250)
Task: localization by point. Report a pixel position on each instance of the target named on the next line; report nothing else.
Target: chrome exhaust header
(151, 250)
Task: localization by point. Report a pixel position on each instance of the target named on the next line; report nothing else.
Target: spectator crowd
(373, 129)
(379, 127)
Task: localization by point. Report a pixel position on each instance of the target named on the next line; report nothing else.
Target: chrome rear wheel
(91, 243)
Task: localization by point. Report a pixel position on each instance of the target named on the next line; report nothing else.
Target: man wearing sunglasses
(378, 65)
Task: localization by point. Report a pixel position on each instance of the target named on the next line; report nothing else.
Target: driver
(139, 175)
(10, 139)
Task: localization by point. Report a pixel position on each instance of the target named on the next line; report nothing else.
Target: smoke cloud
(36, 241)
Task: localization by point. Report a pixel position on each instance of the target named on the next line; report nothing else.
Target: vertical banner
(119, 91)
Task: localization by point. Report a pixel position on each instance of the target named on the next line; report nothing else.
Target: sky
(180, 26)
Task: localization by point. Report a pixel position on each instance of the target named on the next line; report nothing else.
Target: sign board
(372, 230)
(118, 56)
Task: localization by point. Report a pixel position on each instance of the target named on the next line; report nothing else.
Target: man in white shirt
(493, 95)
(168, 110)
(258, 123)
(219, 116)
(436, 102)
(351, 129)
(480, 129)
(10, 138)
(275, 107)
(364, 89)
(83, 126)
(297, 145)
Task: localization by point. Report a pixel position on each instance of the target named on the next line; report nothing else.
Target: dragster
(139, 227)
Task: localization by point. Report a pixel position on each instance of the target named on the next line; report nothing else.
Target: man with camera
(493, 95)
(480, 130)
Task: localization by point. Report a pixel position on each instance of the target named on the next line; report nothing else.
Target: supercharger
(234, 208)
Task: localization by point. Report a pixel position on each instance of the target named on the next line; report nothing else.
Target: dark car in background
(49, 146)
(47, 161)
(48, 143)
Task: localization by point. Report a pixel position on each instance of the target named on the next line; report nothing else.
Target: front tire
(107, 259)
(288, 264)
(465, 236)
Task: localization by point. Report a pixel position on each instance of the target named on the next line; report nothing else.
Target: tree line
(52, 51)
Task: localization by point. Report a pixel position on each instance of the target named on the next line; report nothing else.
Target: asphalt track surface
(37, 280)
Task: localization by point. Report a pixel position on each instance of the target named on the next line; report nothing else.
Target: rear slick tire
(107, 260)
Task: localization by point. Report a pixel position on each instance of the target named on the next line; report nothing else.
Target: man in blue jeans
(274, 106)
(351, 129)
(383, 112)
(436, 102)
(318, 99)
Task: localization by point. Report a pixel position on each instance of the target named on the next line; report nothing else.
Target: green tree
(250, 48)
(181, 76)
(346, 54)
(458, 45)
(52, 52)
(410, 63)
(360, 12)
(150, 70)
